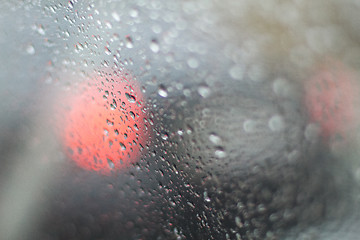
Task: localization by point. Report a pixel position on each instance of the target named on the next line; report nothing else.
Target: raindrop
(71, 4)
(134, 13)
(156, 29)
(215, 139)
(111, 164)
(193, 63)
(107, 51)
(130, 98)
(206, 197)
(41, 30)
(109, 122)
(67, 33)
(105, 96)
(123, 147)
(30, 49)
(204, 91)
(172, 203)
(189, 129)
(106, 132)
(261, 208)
(108, 25)
(281, 87)
(220, 153)
(249, 126)
(154, 46)
(236, 72)
(238, 222)
(190, 204)
(113, 105)
(132, 114)
(276, 123)
(129, 42)
(79, 47)
(116, 16)
(165, 136)
(162, 91)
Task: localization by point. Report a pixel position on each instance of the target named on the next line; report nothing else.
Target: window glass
(179, 119)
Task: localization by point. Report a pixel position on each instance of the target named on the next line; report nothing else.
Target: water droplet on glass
(41, 30)
(172, 203)
(165, 136)
(249, 126)
(113, 105)
(238, 222)
(109, 122)
(132, 114)
(281, 87)
(156, 29)
(130, 98)
(215, 139)
(220, 153)
(108, 25)
(111, 164)
(276, 123)
(123, 147)
(116, 16)
(206, 197)
(204, 91)
(79, 47)
(106, 132)
(107, 51)
(30, 49)
(129, 42)
(162, 91)
(154, 46)
(189, 130)
(134, 13)
(193, 63)
(190, 204)
(236, 72)
(70, 4)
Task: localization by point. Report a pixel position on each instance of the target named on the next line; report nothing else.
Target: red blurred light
(331, 97)
(104, 129)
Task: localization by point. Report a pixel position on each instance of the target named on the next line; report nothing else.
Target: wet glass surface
(179, 119)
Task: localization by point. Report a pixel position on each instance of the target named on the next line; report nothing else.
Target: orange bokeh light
(103, 124)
